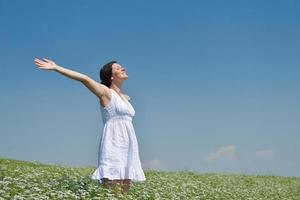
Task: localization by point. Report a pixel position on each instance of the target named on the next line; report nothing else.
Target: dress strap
(126, 101)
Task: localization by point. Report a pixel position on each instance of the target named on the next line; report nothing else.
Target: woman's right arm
(98, 89)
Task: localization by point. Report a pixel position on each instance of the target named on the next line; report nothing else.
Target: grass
(31, 180)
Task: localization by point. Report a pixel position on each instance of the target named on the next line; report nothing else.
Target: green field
(30, 180)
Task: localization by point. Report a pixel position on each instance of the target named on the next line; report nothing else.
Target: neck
(116, 86)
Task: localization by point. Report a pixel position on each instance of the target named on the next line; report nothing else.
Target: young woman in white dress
(118, 158)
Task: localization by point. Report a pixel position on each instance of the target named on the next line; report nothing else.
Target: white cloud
(226, 152)
(266, 153)
(153, 164)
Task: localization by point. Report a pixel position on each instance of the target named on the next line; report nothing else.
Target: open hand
(45, 64)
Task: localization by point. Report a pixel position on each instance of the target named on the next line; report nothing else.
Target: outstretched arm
(97, 88)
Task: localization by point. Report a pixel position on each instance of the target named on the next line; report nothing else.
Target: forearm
(70, 73)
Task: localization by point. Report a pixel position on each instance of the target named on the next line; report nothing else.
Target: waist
(123, 117)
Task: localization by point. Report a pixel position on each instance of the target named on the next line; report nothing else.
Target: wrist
(56, 68)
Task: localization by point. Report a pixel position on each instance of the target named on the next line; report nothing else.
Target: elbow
(83, 78)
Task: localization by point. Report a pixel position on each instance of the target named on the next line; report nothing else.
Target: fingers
(42, 61)
(50, 61)
(40, 65)
(39, 62)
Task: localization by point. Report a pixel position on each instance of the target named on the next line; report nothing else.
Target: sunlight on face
(119, 72)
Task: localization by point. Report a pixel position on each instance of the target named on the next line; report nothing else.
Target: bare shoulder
(100, 90)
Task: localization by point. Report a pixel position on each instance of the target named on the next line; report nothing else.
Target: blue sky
(215, 84)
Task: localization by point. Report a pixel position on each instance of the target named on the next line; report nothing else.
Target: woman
(118, 160)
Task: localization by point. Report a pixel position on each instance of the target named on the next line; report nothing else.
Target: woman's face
(119, 72)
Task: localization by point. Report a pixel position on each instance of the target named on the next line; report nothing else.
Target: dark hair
(106, 73)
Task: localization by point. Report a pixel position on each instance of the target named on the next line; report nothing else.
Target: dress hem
(117, 173)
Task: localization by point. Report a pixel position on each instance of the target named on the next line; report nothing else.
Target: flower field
(31, 180)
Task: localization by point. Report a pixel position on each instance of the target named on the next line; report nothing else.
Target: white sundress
(118, 155)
